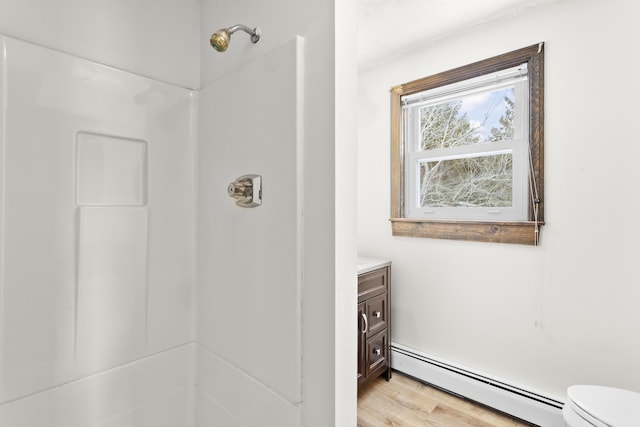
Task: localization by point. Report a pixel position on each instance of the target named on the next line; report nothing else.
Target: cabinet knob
(377, 314)
(377, 351)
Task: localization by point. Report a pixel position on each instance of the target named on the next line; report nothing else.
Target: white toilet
(590, 405)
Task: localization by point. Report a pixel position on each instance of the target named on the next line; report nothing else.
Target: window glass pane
(484, 181)
(468, 119)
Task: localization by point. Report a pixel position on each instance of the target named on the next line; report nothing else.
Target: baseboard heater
(516, 401)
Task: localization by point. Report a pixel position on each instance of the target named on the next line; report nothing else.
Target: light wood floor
(406, 402)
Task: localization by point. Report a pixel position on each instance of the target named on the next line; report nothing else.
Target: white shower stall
(133, 291)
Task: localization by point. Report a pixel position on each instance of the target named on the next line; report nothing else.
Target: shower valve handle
(239, 189)
(247, 190)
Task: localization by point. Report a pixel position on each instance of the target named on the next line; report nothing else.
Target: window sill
(523, 233)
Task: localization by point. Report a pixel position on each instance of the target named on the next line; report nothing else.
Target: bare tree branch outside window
(480, 181)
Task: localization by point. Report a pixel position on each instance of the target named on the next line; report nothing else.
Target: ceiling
(389, 27)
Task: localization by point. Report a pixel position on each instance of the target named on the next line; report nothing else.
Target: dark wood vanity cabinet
(374, 331)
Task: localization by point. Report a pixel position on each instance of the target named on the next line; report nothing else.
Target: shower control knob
(247, 190)
(238, 189)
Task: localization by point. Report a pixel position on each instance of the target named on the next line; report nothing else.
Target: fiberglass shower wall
(250, 260)
(96, 214)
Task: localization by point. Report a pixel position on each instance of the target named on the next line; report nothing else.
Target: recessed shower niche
(111, 182)
(111, 171)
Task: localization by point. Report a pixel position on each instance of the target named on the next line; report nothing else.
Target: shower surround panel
(250, 260)
(97, 249)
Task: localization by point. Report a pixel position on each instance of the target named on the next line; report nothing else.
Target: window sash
(518, 209)
(482, 83)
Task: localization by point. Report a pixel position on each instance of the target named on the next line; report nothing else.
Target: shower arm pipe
(253, 32)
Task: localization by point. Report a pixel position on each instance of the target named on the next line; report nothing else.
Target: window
(467, 151)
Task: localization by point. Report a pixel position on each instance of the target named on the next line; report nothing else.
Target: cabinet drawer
(372, 283)
(377, 313)
(376, 356)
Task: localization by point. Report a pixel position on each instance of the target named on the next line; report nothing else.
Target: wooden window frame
(519, 232)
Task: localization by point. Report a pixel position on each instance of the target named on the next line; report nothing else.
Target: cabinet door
(362, 333)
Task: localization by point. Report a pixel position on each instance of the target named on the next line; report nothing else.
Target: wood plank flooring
(404, 401)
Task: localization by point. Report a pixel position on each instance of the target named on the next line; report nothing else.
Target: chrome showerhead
(221, 38)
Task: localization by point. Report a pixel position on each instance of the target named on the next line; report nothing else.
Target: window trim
(519, 232)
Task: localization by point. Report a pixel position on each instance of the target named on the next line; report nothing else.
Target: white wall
(155, 38)
(321, 162)
(346, 107)
(567, 311)
(96, 292)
